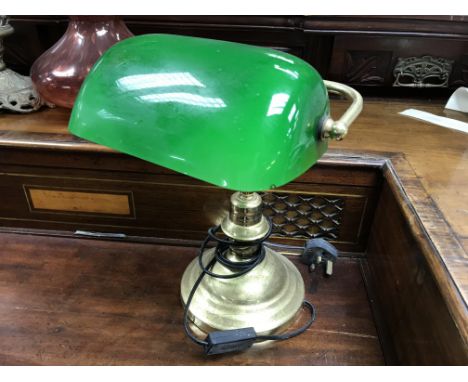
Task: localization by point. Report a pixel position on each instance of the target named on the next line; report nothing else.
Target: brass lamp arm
(332, 129)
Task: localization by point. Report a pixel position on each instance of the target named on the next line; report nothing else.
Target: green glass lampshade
(240, 117)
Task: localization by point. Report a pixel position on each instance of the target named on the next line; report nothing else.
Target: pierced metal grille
(304, 216)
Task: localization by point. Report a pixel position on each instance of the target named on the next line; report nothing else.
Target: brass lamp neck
(246, 208)
(245, 222)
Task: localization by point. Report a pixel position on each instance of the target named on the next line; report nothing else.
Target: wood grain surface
(372, 44)
(418, 326)
(425, 170)
(437, 155)
(90, 302)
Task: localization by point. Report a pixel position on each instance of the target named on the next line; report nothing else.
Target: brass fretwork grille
(304, 216)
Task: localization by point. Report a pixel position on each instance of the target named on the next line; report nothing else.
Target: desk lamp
(240, 117)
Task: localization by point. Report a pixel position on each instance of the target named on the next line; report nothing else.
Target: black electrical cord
(242, 268)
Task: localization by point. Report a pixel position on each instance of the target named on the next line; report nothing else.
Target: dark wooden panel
(36, 150)
(330, 170)
(370, 60)
(169, 205)
(278, 32)
(90, 302)
(309, 37)
(388, 25)
(417, 323)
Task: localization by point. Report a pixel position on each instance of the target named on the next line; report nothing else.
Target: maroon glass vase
(59, 72)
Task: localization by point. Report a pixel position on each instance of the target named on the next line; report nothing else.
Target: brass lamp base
(267, 298)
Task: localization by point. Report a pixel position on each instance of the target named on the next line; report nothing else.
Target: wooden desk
(439, 156)
(420, 229)
(93, 302)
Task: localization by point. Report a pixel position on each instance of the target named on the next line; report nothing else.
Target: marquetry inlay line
(27, 175)
(74, 224)
(134, 181)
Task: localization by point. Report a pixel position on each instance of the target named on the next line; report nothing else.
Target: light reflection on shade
(271, 164)
(108, 115)
(292, 73)
(185, 98)
(277, 104)
(158, 80)
(292, 112)
(178, 158)
(280, 57)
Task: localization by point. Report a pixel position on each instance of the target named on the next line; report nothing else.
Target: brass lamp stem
(246, 208)
(245, 223)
